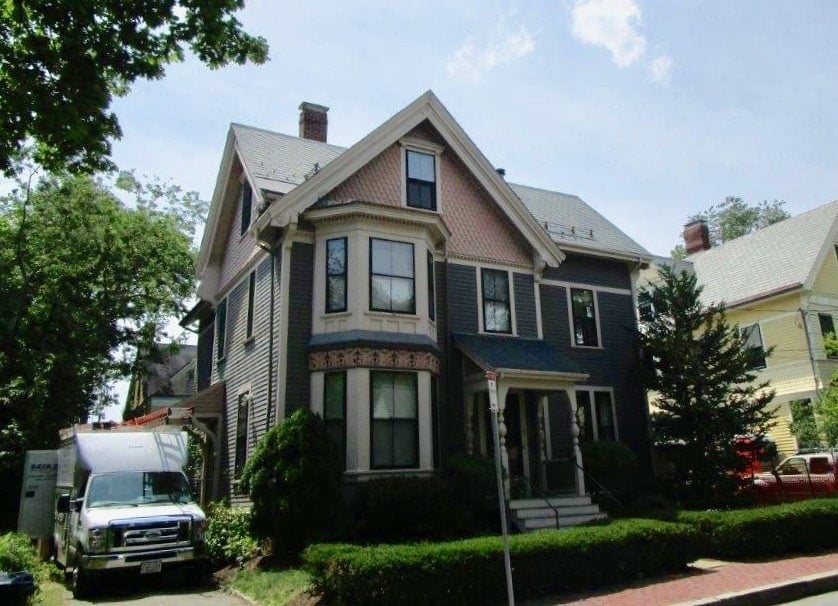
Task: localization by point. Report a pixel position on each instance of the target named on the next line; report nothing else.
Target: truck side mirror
(63, 505)
(77, 504)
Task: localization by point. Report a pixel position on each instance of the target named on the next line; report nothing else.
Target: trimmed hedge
(767, 531)
(471, 571)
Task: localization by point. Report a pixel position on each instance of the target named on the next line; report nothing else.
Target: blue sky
(649, 110)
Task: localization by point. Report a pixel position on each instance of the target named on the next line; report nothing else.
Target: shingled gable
(426, 107)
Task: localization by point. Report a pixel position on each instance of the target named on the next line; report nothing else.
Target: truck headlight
(97, 540)
(198, 528)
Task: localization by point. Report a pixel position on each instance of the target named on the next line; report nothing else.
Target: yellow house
(780, 285)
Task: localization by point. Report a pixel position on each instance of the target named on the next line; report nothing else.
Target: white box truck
(123, 502)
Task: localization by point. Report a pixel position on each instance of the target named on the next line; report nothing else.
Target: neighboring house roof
(172, 375)
(493, 353)
(279, 163)
(776, 259)
(573, 224)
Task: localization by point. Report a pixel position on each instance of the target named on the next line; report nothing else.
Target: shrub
(404, 508)
(293, 481)
(228, 536)
(777, 530)
(16, 553)
(613, 465)
(470, 571)
(473, 480)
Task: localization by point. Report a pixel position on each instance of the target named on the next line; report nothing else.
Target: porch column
(469, 422)
(542, 442)
(504, 456)
(577, 453)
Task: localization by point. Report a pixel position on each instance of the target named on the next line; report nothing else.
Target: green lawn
(271, 587)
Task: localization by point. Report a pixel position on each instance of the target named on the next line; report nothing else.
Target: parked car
(801, 476)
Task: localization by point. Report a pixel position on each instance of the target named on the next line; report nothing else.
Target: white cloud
(611, 24)
(661, 69)
(503, 46)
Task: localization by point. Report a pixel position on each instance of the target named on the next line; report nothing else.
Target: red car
(798, 477)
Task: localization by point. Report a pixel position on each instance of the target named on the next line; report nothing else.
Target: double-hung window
(754, 346)
(421, 180)
(595, 415)
(392, 276)
(246, 202)
(336, 275)
(221, 329)
(827, 330)
(583, 309)
(241, 434)
(334, 409)
(251, 303)
(497, 314)
(431, 288)
(394, 418)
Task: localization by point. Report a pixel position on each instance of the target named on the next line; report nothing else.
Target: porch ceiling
(521, 356)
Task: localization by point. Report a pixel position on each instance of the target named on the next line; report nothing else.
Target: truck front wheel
(81, 579)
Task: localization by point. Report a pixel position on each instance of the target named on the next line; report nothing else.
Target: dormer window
(421, 180)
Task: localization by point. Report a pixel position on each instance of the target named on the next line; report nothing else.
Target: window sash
(606, 425)
(754, 346)
(431, 288)
(336, 274)
(246, 200)
(583, 304)
(595, 415)
(334, 409)
(421, 180)
(394, 423)
(241, 434)
(497, 312)
(251, 301)
(221, 329)
(392, 276)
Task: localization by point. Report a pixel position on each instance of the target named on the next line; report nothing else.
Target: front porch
(543, 475)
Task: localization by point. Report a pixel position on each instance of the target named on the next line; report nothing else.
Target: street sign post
(491, 379)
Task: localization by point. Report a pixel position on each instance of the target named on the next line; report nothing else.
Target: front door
(514, 435)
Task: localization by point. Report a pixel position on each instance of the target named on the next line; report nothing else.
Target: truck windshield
(137, 488)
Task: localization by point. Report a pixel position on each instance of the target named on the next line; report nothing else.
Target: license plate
(151, 567)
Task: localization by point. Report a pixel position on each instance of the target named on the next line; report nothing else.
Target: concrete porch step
(564, 521)
(573, 501)
(545, 512)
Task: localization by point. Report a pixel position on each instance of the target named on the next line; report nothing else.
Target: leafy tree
(700, 368)
(679, 253)
(830, 345)
(804, 426)
(826, 409)
(62, 63)
(734, 218)
(86, 282)
(293, 480)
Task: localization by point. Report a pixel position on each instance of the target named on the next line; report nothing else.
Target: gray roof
(491, 352)
(278, 163)
(571, 221)
(776, 258)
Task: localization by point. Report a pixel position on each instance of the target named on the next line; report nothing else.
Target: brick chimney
(696, 236)
(313, 121)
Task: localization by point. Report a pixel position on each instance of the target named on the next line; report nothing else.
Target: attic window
(421, 180)
(246, 199)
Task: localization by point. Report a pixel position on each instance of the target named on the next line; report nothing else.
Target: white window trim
(423, 147)
(244, 394)
(481, 328)
(219, 338)
(591, 389)
(244, 180)
(571, 323)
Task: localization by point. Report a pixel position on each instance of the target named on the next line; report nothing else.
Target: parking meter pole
(493, 408)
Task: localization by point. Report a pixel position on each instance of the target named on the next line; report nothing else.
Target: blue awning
(492, 353)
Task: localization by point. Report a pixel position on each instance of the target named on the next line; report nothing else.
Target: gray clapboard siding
(591, 270)
(525, 305)
(462, 298)
(298, 384)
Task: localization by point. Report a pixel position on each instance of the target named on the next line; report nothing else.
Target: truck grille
(158, 533)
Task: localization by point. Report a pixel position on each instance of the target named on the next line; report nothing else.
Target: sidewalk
(722, 583)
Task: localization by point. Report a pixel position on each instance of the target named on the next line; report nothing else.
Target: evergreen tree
(700, 367)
